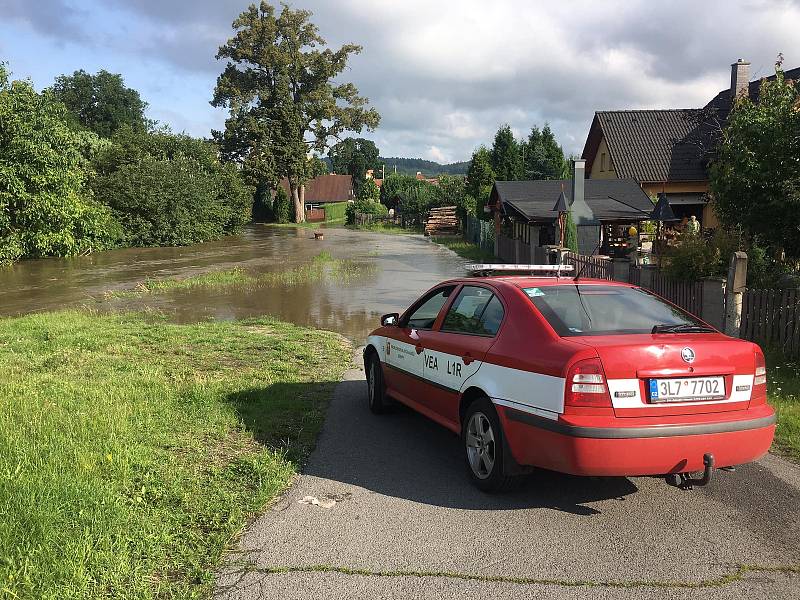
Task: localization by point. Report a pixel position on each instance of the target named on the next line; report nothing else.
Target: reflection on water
(406, 266)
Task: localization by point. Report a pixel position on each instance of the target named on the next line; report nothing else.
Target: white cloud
(445, 75)
(434, 153)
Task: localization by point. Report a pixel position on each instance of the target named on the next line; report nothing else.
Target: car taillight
(760, 379)
(586, 385)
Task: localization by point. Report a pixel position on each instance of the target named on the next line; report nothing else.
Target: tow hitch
(686, 482)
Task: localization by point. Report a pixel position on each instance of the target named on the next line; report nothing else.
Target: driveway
(397, 517)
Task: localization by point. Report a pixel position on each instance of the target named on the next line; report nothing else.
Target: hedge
(335, 211)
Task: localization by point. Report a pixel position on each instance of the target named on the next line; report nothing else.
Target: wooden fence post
(735, 287)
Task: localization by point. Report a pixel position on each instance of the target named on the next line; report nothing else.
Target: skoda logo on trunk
(687, 354)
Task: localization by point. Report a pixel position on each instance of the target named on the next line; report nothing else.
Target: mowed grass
(783, 388)
(466, 249)
(133, 450)
(321, 266)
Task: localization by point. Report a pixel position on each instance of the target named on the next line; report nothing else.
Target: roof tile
(609, 199)
(326, 188)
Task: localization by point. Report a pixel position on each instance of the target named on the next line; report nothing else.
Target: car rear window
(575, 310)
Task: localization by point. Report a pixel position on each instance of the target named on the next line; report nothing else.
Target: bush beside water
(65, 190)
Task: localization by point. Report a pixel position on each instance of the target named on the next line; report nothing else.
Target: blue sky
(444, 75)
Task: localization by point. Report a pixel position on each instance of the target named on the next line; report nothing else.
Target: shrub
(764, 271)
(168, 189)
(336, 211)
(369, 190)
(262, 204)
(570, 233)
(282, 207)
(468, 206)
(45, 209)
(415, 202)
(694, 257)
(366, 207)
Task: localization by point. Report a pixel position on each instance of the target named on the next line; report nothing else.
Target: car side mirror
(390, 320)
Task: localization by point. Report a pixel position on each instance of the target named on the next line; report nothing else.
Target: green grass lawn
(133, 450)
(466, 249)
(783, 388)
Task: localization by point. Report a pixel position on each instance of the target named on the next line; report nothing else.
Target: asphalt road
(398, 518)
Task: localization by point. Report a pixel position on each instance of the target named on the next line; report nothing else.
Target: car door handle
(467, 358)
(419, 348)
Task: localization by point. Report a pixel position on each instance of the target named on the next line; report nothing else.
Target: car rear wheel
(376, 390)
(482, 438)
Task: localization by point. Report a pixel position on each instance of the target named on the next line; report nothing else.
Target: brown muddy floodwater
(403, 267)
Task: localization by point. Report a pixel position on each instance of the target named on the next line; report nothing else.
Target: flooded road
(404, 266)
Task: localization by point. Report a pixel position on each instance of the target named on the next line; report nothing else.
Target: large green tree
(543, 157)
(755, 178)
(450, 190)
(281, 88)
(354, 156)
(317, 166)
(394, 186)
(45, 209)
(555, 166)
(506, 156)
(479, 181)
(101, 103)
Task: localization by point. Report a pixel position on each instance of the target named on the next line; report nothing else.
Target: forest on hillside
(428, 168)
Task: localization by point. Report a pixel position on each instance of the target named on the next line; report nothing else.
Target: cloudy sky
(443, 74)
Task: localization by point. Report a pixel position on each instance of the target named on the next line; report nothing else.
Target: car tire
(482, 443)
(376, 388)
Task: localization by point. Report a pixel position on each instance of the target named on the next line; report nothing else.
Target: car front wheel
(482, 439)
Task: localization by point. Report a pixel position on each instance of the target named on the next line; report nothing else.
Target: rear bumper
(637, 448)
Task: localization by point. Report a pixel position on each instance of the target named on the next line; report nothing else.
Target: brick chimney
(740, 78)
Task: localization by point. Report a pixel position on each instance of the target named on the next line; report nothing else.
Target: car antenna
(586, 262)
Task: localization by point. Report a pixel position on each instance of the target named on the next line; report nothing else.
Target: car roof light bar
(479, 270)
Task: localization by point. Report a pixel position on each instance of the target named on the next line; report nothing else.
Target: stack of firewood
(442, 221)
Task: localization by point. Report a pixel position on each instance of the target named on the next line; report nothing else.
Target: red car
(588, 377)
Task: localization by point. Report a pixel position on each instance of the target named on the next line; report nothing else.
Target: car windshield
(575, 310)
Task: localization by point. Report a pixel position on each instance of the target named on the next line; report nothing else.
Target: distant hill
(428, 168)
(410, 166)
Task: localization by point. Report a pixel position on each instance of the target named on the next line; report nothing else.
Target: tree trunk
(297, 201)
(303, 200)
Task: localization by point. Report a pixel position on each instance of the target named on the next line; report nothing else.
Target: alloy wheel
(480, 441)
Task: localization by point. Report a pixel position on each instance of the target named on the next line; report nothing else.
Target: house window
(602, 161)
